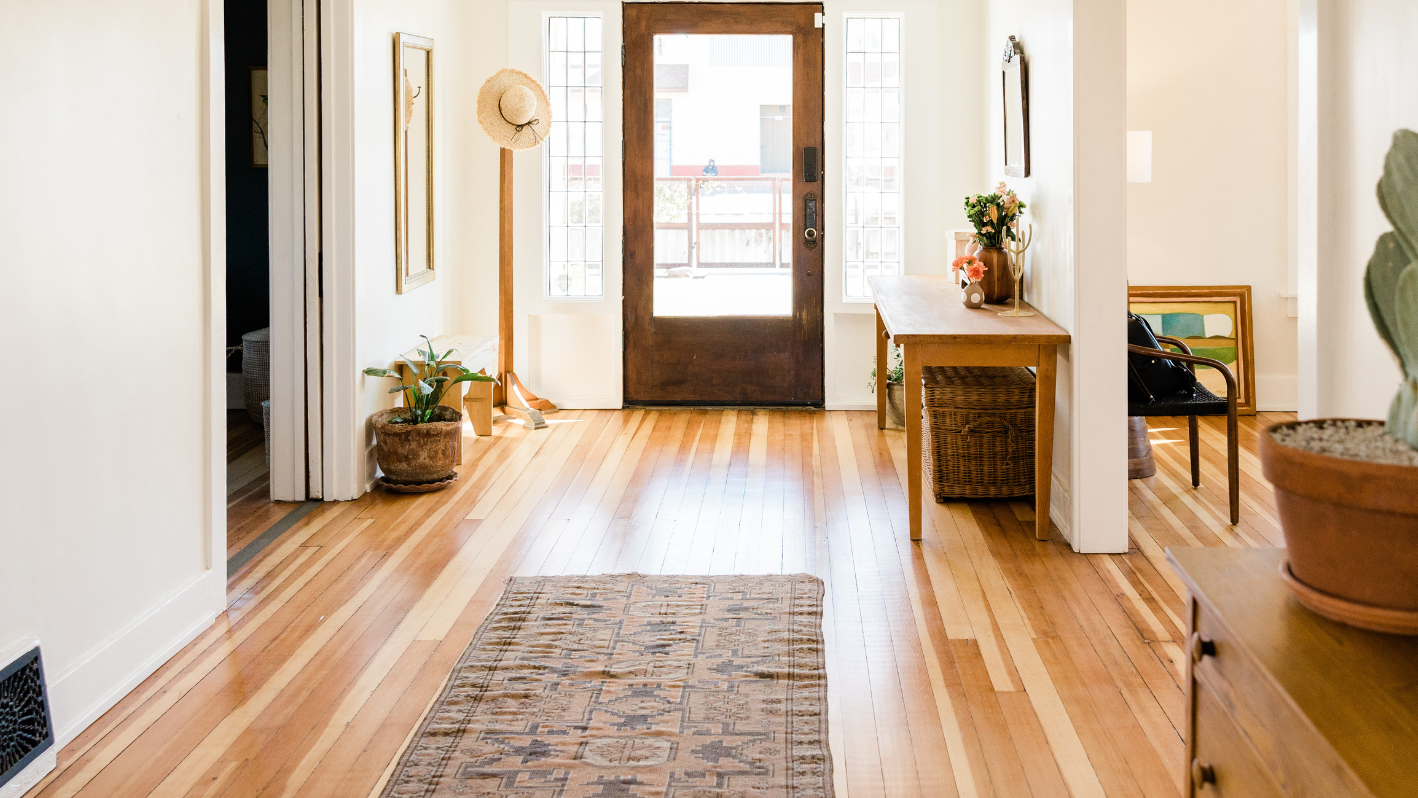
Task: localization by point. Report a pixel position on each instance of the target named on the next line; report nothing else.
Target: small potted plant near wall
(417, 445)
(996, 220)
(895, 388)
(1347, 490)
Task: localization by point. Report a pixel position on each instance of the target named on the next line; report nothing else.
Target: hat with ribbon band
(513, 110)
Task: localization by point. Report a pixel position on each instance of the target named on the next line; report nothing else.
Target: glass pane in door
(723, 175)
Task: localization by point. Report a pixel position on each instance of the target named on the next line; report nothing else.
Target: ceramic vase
(973, 295)
(998, 282)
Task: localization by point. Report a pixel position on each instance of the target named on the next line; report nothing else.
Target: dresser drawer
(1293, 755)
(1223, 763)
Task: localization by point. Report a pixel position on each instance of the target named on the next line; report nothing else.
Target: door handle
(810, 234)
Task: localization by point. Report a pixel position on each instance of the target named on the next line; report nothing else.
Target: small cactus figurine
(1391, 281)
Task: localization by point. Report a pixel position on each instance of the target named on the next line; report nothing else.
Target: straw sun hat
(513, 110)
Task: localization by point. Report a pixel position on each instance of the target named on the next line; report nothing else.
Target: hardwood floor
(976, 662)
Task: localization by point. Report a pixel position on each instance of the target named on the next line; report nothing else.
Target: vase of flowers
(972, 293)
(996, 221)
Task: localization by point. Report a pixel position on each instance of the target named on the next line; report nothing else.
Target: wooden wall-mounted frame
(413, 161)
(1201, 315)
(1014, 75)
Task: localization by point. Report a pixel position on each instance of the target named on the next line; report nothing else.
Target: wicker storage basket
(977, 431)
(256, 370)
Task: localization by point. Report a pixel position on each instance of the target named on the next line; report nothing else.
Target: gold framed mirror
(413, 161)
(1015, 77)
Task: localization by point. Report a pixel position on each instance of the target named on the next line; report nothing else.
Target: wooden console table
(925, 317)
(1282, 702)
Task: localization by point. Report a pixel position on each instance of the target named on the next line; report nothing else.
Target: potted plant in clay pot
(895, 388)
(417, 445)
(996, 220)
(1347, 490)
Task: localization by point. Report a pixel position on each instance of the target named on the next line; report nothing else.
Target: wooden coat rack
(510, 393)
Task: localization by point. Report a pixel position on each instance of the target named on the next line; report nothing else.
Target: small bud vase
(973, 295)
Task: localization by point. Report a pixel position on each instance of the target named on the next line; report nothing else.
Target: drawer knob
(886, 335)
(1202, 775)
(1201, 647)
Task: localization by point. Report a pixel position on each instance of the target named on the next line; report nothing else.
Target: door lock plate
(810, 234)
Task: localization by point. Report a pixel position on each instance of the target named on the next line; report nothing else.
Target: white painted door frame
(297, 470)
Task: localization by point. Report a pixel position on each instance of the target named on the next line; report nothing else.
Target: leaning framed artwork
(413, 161)
(1214, 321)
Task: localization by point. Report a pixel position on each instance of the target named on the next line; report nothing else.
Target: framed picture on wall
(1214, 321)
(260, 152)
(413, 161)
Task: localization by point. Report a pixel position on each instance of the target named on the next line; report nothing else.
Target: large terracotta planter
(1351, 528)
(998, 282)
(418, 453)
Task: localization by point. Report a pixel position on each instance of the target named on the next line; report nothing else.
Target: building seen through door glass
(871, 236)
(723, 175)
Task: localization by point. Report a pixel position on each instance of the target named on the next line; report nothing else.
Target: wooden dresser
(1283, 702)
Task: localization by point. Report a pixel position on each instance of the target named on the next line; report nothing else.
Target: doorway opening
(248, 282)
(723, 204)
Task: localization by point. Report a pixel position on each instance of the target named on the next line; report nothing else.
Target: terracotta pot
(896, 403)
(416, 453)
(1351, 528)
(998, 282)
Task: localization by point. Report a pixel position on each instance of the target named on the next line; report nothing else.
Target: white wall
(1076, 268)
(111, 316)
(1215, 97)
(362, 303)
(1357, 85)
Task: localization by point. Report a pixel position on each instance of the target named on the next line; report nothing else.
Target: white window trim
(841, 160)
(546, 162)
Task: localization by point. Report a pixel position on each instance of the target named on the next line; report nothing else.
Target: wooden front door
(724, 204)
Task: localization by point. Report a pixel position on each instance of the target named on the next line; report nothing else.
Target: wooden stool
(1140, 461)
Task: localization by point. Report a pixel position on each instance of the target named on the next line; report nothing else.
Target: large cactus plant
(1391, 282)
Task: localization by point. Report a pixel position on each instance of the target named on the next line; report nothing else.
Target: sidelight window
(575, 159)
(872, 240)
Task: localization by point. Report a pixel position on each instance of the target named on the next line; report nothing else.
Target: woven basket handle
(986, 424)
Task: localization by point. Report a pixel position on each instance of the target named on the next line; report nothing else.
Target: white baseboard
(84, 691)
(31, 774)
(588, 402)
(235, 391)
(850, 405)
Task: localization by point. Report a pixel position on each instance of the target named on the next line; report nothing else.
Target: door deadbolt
(810, 221)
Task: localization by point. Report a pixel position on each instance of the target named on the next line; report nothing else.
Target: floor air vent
(25, 729)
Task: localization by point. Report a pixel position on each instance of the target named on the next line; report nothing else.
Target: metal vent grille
(25, 728)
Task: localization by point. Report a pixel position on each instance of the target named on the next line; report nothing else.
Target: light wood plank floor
(978, 662)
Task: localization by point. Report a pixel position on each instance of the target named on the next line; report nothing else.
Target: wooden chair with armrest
(1197, 402)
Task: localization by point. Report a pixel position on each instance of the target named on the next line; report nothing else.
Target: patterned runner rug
(633, 686)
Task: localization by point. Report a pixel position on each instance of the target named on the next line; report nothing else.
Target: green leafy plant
(896, 373)
(430, 383)
(1391, 280)
(995, 216)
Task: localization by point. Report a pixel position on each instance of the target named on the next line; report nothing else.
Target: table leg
(911, 378)
(883, 369)
(1044, 438)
